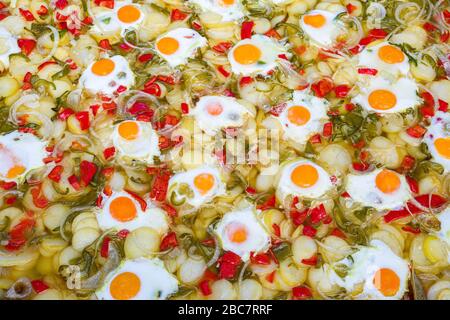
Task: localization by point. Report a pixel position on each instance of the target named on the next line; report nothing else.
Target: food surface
(224, 149)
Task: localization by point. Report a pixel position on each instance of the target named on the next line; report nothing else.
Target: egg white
(24, 149)
(233, 114)
(122, 75)
(258, 240)
(369, 58)
(285, 186)
(187, 177)
(318, 110)
(9, 45)
(227, 12)
(270, 51)
(156, 282)
(363, 266)
(439, 128)
(325, 35)
(369, 195)
(152, 217)
(405, 90)
(189, 41)
(143, 148)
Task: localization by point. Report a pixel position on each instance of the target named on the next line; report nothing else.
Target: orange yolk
(304, 176)
(123, 209)
(125, 286)
(214, 109)
(128, 14)
(298, 115)
(382, 99)
(387, 181)
(15, 171)
(237, 233)
(247, 54)
(128, 130)
(227, 2)
(391, 54)
(168, 45)
(443, 146)
(204, 182)
(103, 67)
(315, 20)
(387, 282)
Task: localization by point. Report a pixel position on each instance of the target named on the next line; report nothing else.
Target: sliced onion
(30, 100)
(55, 44)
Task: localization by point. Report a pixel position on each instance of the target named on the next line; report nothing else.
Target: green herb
(64, 72)
(282, 251)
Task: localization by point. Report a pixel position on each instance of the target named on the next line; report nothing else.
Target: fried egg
(8, 46)
(107, 75)
(213, 113)
(241, 233)
(303, 178)
(123, 211)
(138, 279)
(229, 10)
(19, 154)
(177, 45)
(256, 55)
(383, 189)
(374, 272)
(196, 186)
(384, 56)
(136, 140)
(321, 27)
(383, 96)
(123, 17)
(303, 117)
(437, 138)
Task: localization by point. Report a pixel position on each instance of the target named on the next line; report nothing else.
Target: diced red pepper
(413, 184)
(109, 152)
(61, 4)
(360, 166)
(104, 250)
(222, 47)
(269, 203)
(26, 45)
(318, 214)
(171, 211)
(338, 233)
(142, 202)
(429, 27)
(169, 241)
(369, 71)
(177, 15)
(87, 171)
(246, 29)
(408, 163)
(153, 89)
(245, 80)
(301, 293)
(105, 3)
(311, 261)
(73, 180)
(350, 8)
(416, 131)
(26, 14)
(341, 91)
(322, 87)
(443, 106)
(315, 139)
(83, 119)
(104, 44)
(39, 199)
(145, 57)
(431, 200)
(42, 11)
(55, 174)
(65, 113)
(271, 276)
(309, 231)
(19, 233)
(7, 185)
(411, 229)
(205, 288)
(273, 34)
(160, 185)
(224, 72)
(327, 129)
(260, 258)
(39, 286)
(122, 234)
(184, 108)
(298, 217)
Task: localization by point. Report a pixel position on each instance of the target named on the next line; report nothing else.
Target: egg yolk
(168, 45)
(387, 282)
(204, 182)
(387, 181)
(227, 2)
(103, 67)
(128, 130)
(443, 146)
(15, 171)
(237, 233)
(304, 176)
(128, 14)
(382, 99)
(298, 115)
(123, 209)
(214, 109)
(314, 20)
(125, 286)
(391, 54)
(247, 54)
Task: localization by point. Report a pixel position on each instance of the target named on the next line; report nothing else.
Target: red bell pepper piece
(26, 14)
(341, 91)
(104, 250)
(228, 264)
(39, 286)
(177, 15)
(318, 214)
(411, 229)
(26, 45)
(39, 199)
(311, 261)
(87, 171)
(309, 231)
(301, 293)
(83, 119)
(322, 87)
(222, 47)
(145, 57)
(408, 163)
(273, 34)
(18, 234)
(260, 258)
(416, 131)
(443, 106)
(43, 10)
(245, 80)
(73, 180)
(327, 129)
(122, 234)
(246, 29)
(61, 4)
(169, 241)
(413, 184)
(109, 152)
(298, 217)
(142, 202)
(350, 8)
(205, 287)
(224, 72)
(338, 233)
(269, 203)
(160, 185)
(55, 174)
(368, 71)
